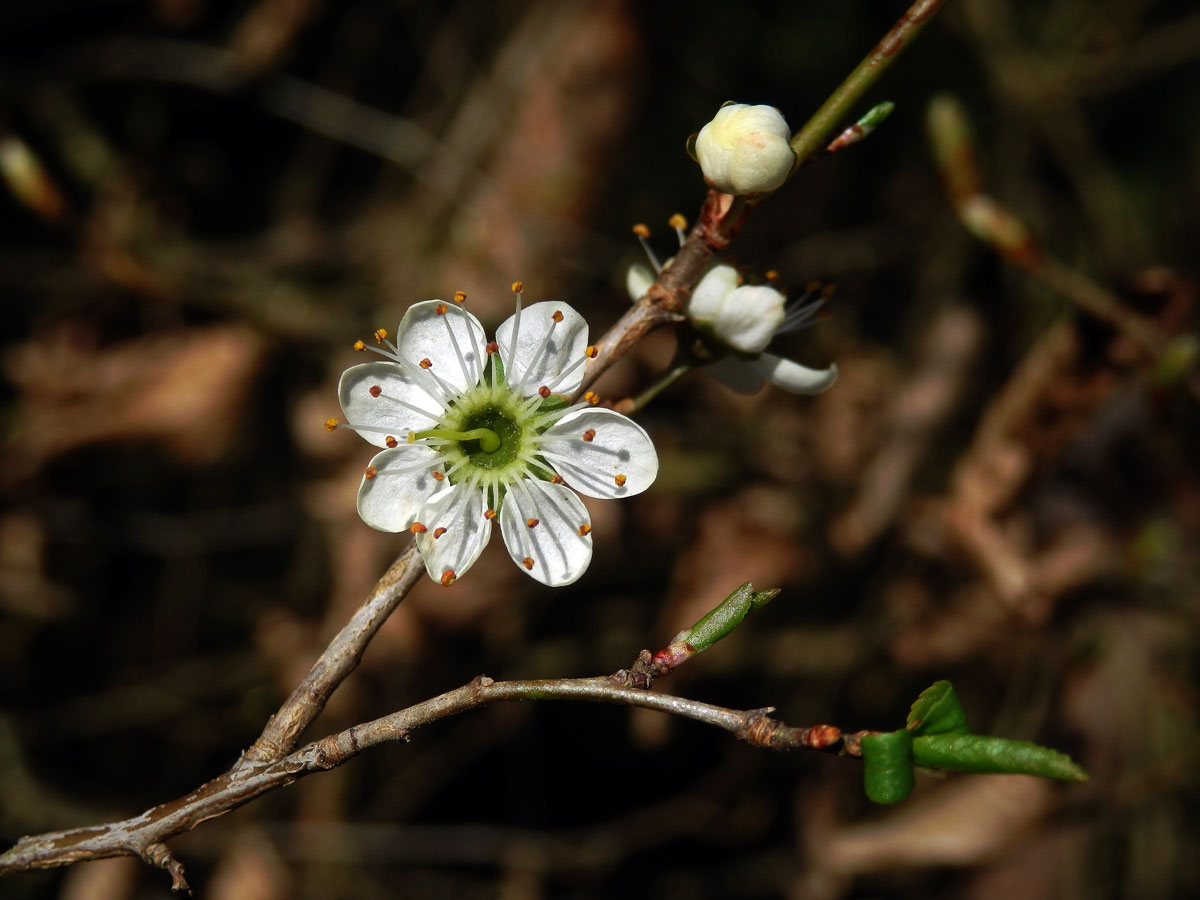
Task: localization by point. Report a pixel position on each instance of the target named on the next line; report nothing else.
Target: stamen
(380, 335)
(620, 480)
(360, 346)
(489, 514)
(557, 316)
(331, 424)
(591, 351)
(541, 351)
(527, 562)
(517, 287)
(543, 392)
(492, 347)
(438, 532)
(532, 523)
(556, 479)
(554, 416)
(426, 364)
(437, 476)
(370, 472)
(391, 442)
(460, 296)
(680, 224)
(471, 377)
(375, 390)
(585, 529)
(589, 435)
(448, 577)
(417, 528)
(772, 275)
(591, 397)
(643, 232)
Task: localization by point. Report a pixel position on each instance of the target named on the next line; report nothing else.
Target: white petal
(403, 482)
(749, 317)
(760, 162)
(394, 410)
(765, 119)
(737, 374)
(559, 553)
(460, 511)
(453, 342)
(548, 352)
(793, 377)
(618, 461)
(638, 280)
(712, 292)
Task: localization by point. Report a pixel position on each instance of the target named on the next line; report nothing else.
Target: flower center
(486, 435)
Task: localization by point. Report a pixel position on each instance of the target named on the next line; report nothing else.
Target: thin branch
(145, 835)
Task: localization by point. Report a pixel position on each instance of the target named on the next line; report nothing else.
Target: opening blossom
(744, 319)
(475, 431)
(745, 149)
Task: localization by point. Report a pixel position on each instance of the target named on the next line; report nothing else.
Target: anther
(460, 296)
(492, 347)
(437, 476)
(532, 523)
(426, 364)
(331, 424)
(380, 335)
(517, 287)
(527, 562)
(438, 532)
(360, 346)
(556, 479)
(591, 352)
(448, 577)
(589, 435)
(391, 442)
(620, 480)
(440, 309)
(677, 221)
(489, 514)
(543, 392)
(591, 397)
(375, 390)
(772, 275)
(557, 316)
(585, 529)
(417, 528)
(641, 230)
(370, 472)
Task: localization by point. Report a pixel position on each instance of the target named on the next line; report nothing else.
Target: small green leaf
(726, 616)
(888, 766)
(937, 711)
(874, 116)
(982, 753)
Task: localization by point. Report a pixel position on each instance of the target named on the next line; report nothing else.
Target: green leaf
(726, 616)
(982, 753)
(888, 766)
(937, 711)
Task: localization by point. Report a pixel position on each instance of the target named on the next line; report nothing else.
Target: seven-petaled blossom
(745, 149)
(474, 431)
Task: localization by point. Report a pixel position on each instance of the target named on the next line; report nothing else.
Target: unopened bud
(745, 150)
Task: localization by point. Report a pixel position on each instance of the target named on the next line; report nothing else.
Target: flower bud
(745, 150)
(743, 318)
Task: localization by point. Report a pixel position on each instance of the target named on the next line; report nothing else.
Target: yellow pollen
(585, 530)
(440, 309)
(438, 532)
(532, 523)
(557, 316)
(360, 346)
(589, 435)
(489, 514)
(543, 392)
(448, 577)
(591, 352)
(677, 221)
(426, 364)
(370, 472)
(417, 528)
(380, 335)
(460, 296)
(375, 390)
(527, 562)
(331, 424)
(517, 287)
(591, 397)
(390, 441)
(641, 230)
(620, 480)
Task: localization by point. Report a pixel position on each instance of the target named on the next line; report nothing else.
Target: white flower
(745, 149)
(469, 439)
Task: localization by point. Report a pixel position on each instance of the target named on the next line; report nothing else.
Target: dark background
(234, 192)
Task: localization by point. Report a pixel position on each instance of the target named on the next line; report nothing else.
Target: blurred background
(206, 203)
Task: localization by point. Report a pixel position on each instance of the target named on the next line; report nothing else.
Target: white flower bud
(744, 318)
(745, 150)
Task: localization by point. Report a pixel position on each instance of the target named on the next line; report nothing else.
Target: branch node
(160, 855)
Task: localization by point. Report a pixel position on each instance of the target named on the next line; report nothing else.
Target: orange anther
(331, 424)
(517, 287)
(417, 528)
(370, 472)
(532, 523)
(772, 274)
(556, 479)
(489, 514)
(448, 577)
(360, 346)
(677, 221)
(585, 529)
(589, 435)
(492, 347)
(591, 352)
(438, 532)
(426, 364)
(620, 480)
(375, 390)
(460, 296)
(557, 316)
(390, 442)
(440, 309)
(641, 230)
(591, 397)
(380, 335)
(437, 476)
(543, 392)
(527, 562)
